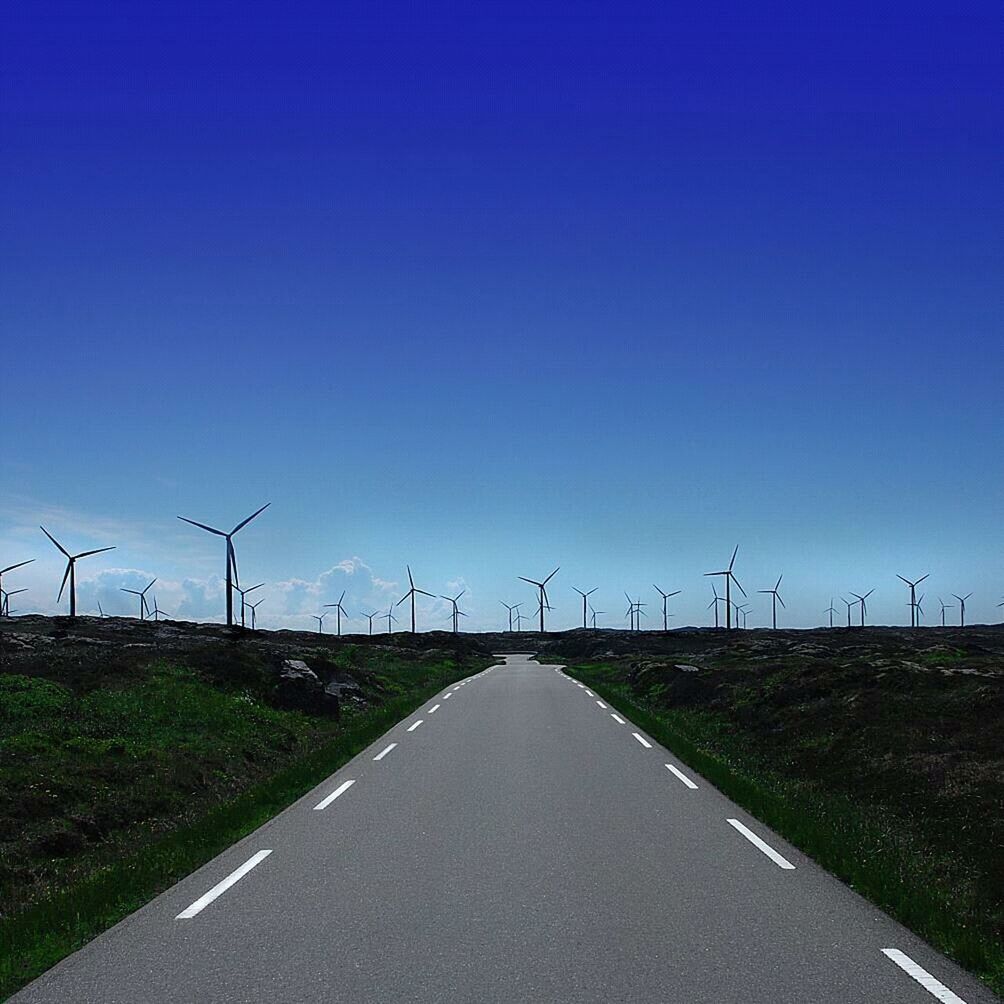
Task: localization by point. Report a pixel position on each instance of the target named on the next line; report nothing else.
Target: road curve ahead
(513, 840)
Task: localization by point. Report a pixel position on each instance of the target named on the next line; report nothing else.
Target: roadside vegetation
(120, 776)
(890, 777)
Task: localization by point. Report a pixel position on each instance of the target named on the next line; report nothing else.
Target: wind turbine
(101, 612)
(157, 612)
(545, 603)
(339, 610)
(391, 620)
(585, 601)
(913, 596)
(918, 610)
(861, 601)
(71, 569)
(729, 579)
(457, 612)
(635, 612)
(244, 593)
(370, 617)
(962, 607)
(320, 621)
(231, 576)
(742, 611)
(253, 607)
(411, 593)
(831, 610)
(714, 603)
(520, 617)
(5, 596)
(775, 598)
(944, 606)
(594, 614)
(510, 609)
(10, 568)
(143, 608)
(665, 598)
(849, 605)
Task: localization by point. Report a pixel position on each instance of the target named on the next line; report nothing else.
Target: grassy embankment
(114, 788)
(842, 767)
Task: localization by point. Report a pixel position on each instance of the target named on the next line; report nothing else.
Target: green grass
(873, 850)
(174, 724)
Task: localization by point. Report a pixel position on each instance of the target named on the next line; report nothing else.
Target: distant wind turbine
(944, 606)
(391, 620)
(913, 596)
(10, 568)
(775, 598)
(635, 612)
(545, 603)
(244, 602)
(232, 578)
(594, 614)
(339, 610)
(5, 596)
(665, 599)
(962, 607)
(585, 601)
(510, 609)
(714, 603)
(143, 608)
(370, 617)
(918, 610)
(457, 612)
(520, 617)
(253, 607)
(320, 621)
(71, 569)
(850, 605)
(157, 613)
(411, 593)
(861, 602)
(729, 579)
(831, 610)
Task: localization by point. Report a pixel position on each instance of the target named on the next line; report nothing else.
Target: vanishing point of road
(513, 840)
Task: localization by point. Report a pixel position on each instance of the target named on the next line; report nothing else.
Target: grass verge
(37, 938)
(868, 848)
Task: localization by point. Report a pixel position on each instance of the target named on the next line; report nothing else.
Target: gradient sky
(493, 288)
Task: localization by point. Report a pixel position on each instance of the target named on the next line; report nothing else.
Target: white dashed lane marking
(922, 976)
(617, 718)
(221, 887)
(683, 777)
(340, 790)
(384, 751)
(778, 859)
(411, 728)
(642, 740)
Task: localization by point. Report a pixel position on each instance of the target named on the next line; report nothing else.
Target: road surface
(513, 840)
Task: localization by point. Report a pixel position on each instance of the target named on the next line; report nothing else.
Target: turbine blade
(98, 550)
(10, 568)
(921, 579)
(244, 523)
(232, 558)
(733, 561)
(551, 576)
(53, 539)
(66, 575)
(202, 526)
(779, 600)
(736, 581)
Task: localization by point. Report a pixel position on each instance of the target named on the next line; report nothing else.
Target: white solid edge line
(384, 752)
(778, 859)
(642, 740)
(221, 887)
(683, 777)
(602, 705)
(433, 708)
(922, 976)
(617, 718)
(340, 790)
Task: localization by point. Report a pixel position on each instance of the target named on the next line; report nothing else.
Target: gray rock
(299, 689)
(687, 669)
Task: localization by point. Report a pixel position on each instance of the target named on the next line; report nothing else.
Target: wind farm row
(725, 610)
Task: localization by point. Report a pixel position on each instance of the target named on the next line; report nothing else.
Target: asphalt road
(520, 844)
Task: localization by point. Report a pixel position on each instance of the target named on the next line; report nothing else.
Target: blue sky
(490, 290)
